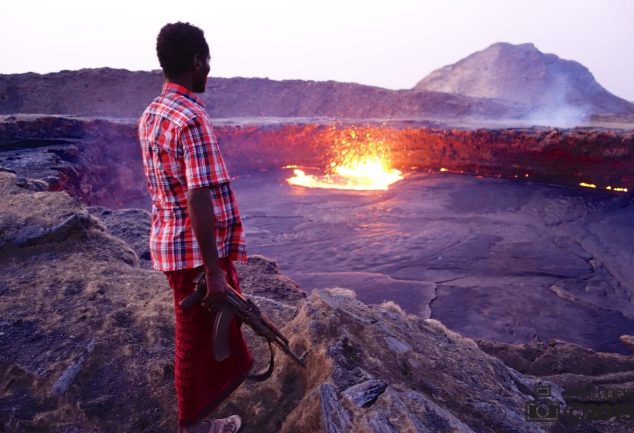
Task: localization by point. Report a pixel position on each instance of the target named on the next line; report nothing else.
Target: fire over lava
(358, 162)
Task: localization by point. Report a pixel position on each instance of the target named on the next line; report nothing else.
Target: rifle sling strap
(264, 374)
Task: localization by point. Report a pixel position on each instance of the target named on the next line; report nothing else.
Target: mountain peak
(507, 45)
(521, 73)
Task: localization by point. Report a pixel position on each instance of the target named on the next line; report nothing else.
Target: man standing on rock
(196, 226)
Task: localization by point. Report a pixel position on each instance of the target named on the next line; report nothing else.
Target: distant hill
(120, 93)
(523, 74)
(503, 81)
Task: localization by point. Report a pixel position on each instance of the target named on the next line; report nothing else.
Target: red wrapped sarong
(202, 383)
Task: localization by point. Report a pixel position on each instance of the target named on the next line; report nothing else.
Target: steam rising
(557, 109)
(562, 116)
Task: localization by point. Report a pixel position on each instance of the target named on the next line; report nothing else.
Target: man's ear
(198, 62)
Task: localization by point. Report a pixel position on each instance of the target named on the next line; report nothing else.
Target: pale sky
(390, 44)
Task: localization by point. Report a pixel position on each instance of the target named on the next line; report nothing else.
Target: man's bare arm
(201, 214)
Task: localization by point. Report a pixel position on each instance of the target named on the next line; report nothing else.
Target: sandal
(230, 424)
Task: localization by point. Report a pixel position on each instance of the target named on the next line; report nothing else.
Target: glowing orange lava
(609, 188)
(358, 162)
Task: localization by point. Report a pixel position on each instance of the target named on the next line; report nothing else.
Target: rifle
(238, 305)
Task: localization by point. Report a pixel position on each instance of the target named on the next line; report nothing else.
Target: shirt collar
(169, 87)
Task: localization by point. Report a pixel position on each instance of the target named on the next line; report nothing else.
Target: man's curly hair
(176, 46)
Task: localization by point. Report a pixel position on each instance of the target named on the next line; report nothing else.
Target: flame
(358, 162)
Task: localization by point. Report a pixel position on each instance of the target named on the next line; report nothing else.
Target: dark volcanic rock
(356, 383)
(87, 339)
(509, 261)
(123, 94)
(590, 381)
(548, 84)
(131, 225)
(538, 359)
(554, 155)
(366, 393)
(100, 161)
(87, 334)
(261, 276)
(93, 159)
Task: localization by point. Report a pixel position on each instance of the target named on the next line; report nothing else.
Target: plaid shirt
(180, 151)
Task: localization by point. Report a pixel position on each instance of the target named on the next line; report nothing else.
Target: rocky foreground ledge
(87, 346)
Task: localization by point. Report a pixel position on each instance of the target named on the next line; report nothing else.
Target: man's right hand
(217, 287)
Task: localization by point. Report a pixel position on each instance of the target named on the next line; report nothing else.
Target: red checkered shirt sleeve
(204, 165)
